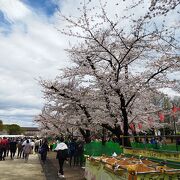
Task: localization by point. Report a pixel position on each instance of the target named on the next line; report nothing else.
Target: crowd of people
(71, 150)
(22, 147)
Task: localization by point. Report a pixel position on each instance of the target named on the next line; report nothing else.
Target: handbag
(41, 150)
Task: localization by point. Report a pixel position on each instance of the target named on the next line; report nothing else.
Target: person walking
(8, 148)
(33, 146)
(72, 147)
(0, 149)
(12, 147)
(4, 143)
(24, 143)
(27, 150)
(20, 148)
(79, 153)
(62, 154)
(43, 150)
(37, 145)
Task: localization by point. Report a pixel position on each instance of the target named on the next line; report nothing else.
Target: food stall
(127, 168)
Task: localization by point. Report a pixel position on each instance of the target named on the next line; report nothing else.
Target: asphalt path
(18, 169)
(34, 169)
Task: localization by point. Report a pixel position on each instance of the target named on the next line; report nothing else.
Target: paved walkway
(51, 167)
(17, 169)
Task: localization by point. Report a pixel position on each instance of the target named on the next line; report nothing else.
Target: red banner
(161, 117)
(140, 125)
(132, 126)
(175, 109)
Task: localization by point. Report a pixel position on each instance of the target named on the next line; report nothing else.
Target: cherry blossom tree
(49, 123)
(72, 104)
(163, 7)
(156, 7)
(119, 64)
(128, 63)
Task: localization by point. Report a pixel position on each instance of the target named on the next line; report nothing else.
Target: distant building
(30, 131)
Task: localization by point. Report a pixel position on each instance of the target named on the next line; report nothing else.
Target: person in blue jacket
(43, 150)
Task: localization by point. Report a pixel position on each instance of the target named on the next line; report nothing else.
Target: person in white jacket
(33, 146)
(62, 154)
(27, 150)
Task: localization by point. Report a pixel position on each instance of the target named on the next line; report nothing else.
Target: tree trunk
(86, 134)
(126, 140)
(126, 134)
(116, 130)
(104, 136)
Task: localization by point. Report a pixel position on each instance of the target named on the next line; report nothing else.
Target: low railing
(161, 143)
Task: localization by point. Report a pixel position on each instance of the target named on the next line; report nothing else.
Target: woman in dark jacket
(72, 147)
(43, 151)
(12, 147)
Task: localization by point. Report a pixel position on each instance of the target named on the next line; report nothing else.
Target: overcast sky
(30, 47)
